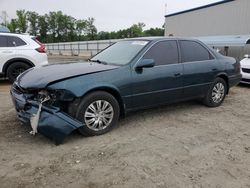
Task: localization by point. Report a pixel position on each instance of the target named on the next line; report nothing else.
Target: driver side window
(163, 53)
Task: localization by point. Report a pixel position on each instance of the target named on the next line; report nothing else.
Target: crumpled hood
(38, 78)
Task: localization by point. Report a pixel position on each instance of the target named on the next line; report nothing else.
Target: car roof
(16, 34)
(159, 38)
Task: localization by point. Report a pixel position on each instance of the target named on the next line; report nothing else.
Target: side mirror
(246, 56)
(145, 63)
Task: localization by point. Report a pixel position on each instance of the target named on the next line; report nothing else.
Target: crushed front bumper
(52, 123)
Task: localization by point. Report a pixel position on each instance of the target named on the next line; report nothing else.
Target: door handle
(214, 69)
(177, 74)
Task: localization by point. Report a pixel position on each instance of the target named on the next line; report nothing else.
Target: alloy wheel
(218, 92)
(16, 72)
(98, 115)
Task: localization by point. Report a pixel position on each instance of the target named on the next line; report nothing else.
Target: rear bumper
(53, 123)
(234, 80)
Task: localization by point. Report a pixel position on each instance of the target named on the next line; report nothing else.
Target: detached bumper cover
(53, 123)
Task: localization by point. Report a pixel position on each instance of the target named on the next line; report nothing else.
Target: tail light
(238, 67)
(42, 48)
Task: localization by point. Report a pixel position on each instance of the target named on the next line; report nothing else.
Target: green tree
(81, 26)
(59, 27)
(136, 30)
(70, 28)
(154, 32)
(21, 21)
(43, 28)
(12, 25)
(33, 17)
(113, 35)
(52, 23)
(91, 30)
(103, 35)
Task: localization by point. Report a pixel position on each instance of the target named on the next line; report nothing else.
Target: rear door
(200, 68)
(6, 51)
(161, 83)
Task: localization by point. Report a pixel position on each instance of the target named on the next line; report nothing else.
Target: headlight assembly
(56, 95)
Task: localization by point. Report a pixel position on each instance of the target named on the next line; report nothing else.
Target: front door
(162, 83)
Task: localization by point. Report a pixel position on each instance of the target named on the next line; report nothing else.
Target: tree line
(59, 27)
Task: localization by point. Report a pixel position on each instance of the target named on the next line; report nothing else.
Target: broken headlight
(55, 95)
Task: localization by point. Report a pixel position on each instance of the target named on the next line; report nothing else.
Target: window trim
(163, 40)
(198, 42)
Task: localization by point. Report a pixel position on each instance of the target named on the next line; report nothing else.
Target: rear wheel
(99, 111)
(15, 69)
(216, 93)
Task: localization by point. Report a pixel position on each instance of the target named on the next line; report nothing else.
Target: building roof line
(198, 8)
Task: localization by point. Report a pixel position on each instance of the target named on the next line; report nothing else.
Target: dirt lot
(181, 145)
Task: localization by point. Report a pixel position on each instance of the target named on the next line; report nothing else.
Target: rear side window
(164, 53)
(193, 51)
(15, 41)
(3, 41)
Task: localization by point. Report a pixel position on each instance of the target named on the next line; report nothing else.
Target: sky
(110, 15)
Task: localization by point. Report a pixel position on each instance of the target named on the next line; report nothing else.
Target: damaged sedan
(129, 75)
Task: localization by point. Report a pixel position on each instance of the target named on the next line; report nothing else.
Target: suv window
(164, 52)
(3, 41)
(15, 41)
(193, 51)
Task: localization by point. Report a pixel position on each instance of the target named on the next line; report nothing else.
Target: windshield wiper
(98, 61)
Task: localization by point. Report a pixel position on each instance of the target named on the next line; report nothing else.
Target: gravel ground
(180, 145)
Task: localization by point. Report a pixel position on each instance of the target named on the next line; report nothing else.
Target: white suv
(18, 53)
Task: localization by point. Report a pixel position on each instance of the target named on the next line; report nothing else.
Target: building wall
(232, 18)
(236, 52)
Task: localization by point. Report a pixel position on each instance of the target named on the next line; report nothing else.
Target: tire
(15, 69)
(109, 116)
(216, 93)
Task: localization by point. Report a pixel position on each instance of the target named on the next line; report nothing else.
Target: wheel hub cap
(218, 92)
(99, 115)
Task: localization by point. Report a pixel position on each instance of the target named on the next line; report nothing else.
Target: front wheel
(99, 111)
(216, 93)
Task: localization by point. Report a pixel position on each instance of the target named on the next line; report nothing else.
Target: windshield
(120, 53)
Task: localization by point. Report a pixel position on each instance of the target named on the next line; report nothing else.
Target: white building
(228, 17)
(224, 25)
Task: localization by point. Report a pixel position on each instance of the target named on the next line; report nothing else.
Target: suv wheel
(15, 69)
(99, 111)
(216, 93)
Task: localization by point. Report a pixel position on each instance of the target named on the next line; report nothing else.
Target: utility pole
(165, 13)
(165, 10)
(4, 17)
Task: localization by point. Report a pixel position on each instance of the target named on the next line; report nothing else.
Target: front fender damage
(52, 122)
